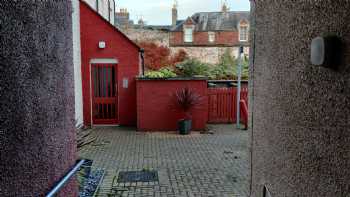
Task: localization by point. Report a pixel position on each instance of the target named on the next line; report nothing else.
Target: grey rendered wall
(301, 112)
(37, 138)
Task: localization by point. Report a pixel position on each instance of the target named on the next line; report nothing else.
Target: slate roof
(158, 27)
(165, 28)
(216, 21)
(179, 22)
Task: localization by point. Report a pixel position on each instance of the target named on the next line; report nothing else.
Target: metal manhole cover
(137, 176)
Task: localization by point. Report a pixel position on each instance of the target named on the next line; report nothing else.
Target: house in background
(122, 19)
(207, 35)
(140, 31)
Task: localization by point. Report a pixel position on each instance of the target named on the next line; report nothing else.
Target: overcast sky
(158, 12)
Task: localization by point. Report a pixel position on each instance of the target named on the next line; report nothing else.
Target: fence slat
(222, 104)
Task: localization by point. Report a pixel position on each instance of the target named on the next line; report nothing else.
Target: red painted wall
(224, 38)
(94, 29)
(154, 99)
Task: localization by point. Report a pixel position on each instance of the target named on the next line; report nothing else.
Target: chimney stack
(225, 7)
(174, 14)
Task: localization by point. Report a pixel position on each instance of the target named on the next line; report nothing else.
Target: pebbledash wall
(95, 28)
(37, 133)
(154, 104)
(300, 112)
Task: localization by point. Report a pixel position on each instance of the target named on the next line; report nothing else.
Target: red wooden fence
(223, 104)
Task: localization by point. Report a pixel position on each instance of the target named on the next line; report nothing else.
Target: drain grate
(137, 176)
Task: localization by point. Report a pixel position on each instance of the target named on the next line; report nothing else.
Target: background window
(211, 36)
(243, 33)
(188, 35)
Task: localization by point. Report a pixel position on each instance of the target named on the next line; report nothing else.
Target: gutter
(113, 14)
(142, 55)
(97, 7)
(109, 10)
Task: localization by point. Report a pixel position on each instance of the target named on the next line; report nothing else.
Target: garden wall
(208, 54)
(154, 100)
(148, 35)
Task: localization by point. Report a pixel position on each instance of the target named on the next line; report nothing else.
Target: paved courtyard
(196, 165)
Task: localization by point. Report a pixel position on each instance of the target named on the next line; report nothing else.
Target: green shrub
(245, 69)
(162, 73)
(168, 72)
(227, 68)
(154, 74)
(192, 67)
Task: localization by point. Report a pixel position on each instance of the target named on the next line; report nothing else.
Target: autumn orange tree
(158, 56)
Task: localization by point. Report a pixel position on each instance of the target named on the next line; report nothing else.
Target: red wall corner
(93, 28)
(154, 99)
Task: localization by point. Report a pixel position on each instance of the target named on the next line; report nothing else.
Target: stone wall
(300, 112)
(206, 54)
(37, 133)
(139, 35)
(210, 55)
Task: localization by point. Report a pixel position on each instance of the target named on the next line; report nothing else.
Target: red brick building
(226, 28)
(110, 61)
(208, 35)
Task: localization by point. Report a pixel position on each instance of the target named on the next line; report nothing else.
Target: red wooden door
(104, 94)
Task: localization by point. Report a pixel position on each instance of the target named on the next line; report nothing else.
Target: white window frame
(188, 34)
(243, 36)
(211, 37)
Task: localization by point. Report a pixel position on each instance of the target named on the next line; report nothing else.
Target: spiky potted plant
(186, 100)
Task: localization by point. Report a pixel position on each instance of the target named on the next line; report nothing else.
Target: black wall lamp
(326, 51)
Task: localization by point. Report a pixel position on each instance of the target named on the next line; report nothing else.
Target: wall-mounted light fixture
(102, 44)
(125, 82)
(326, 51)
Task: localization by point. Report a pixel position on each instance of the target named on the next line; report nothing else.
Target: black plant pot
(185, 126)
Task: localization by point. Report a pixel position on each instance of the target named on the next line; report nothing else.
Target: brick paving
(204, 165)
